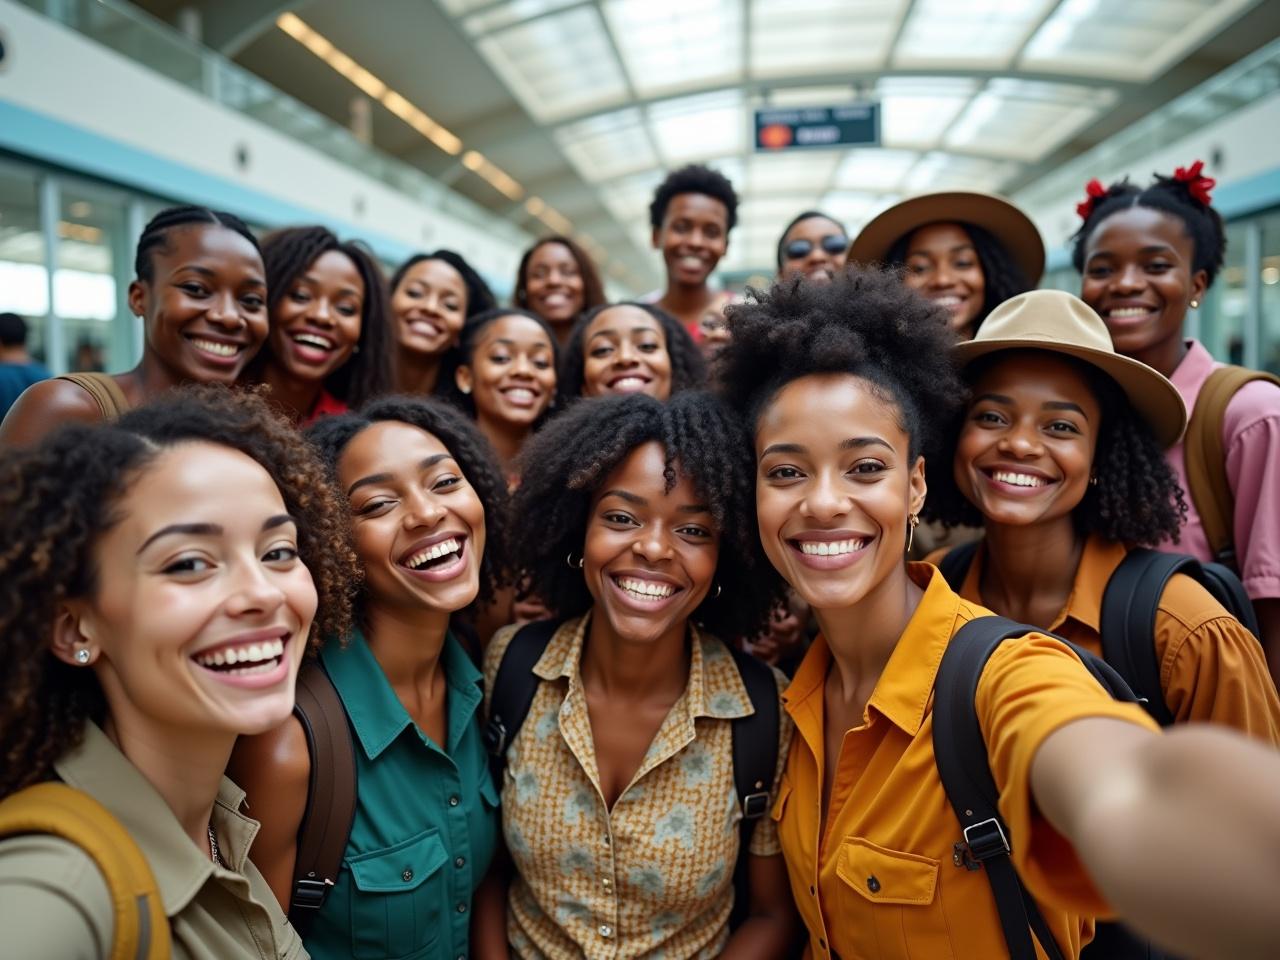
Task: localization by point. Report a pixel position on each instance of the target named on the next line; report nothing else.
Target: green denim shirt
(426, 822)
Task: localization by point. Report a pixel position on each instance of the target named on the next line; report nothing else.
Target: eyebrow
(343, 291)
(212, 275)
(1064, 405)
(855, 443)
(375, 478)
(640, 501)
(208, 529)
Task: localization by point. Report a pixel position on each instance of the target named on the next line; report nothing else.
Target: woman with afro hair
(329, 348)
(847, 388)
(1147, 255)
(163, 577)
(427, 508)
(620, 812)
(1059, 456)
(624, 348)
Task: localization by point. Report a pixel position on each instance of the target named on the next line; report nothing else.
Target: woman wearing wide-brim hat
(1059, 456)
(967, 251)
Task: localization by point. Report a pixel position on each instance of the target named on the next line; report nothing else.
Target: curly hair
(1201, 222)
(688, 367)
(865, 323)
(694, 178)
(479, 297)
(330, 436)
(564, 466)
(287, 255)
(1137, 498)
(592, 289)
(464, 353)
(58, 498)
(155, 235)
(1002, 277)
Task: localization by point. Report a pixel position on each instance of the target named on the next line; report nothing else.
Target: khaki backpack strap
(141, 929)
(1206, 458)
(106, 393)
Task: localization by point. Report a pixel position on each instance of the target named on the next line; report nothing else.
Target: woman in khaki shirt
(162, 578)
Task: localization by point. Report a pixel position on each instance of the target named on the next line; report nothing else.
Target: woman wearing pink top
(1146, 255)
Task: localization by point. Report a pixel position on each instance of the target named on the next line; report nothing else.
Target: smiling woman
(163, 578)
(626, 348)
(200, 289)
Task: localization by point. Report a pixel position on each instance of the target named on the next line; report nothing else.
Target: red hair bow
(1093, 192)
(1198, 185)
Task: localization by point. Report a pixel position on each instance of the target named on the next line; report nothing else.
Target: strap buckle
(309, 894)
(755, 805)
(982, 841)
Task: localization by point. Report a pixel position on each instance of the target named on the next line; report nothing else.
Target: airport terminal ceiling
(563, 115)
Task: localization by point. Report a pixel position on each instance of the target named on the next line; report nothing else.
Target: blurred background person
(558, 281)
(17, 368)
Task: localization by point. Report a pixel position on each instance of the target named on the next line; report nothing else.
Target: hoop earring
(913, 521)
(574, 566)
(716, 595)
(1093, 481)
(82, 656)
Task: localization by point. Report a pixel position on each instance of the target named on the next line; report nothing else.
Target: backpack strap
(1206, 459)
(755, 763)
(106, 393)
(331, 793)
(955, 563)
(514, 687)
(964, 768)
(141, 929)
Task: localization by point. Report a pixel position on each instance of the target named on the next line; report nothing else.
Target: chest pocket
(894, 896)
(396, 904)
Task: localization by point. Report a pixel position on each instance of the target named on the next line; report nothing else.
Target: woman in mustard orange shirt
(1059, 454)
(1091, 793)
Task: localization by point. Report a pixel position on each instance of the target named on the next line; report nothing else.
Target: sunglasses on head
(834, 244)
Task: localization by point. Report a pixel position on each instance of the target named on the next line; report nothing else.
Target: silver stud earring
(1195, 304)
(82, 656)
(465, 390)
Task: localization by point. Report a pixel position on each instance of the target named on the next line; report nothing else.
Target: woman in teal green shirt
(427, 504)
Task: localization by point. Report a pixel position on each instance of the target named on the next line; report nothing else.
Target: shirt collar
(376, 713)
(1189, 375)
(715, 687)
(98, 768)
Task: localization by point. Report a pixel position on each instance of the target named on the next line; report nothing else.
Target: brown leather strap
(106, 393)
(1206, 459)
(331, 792)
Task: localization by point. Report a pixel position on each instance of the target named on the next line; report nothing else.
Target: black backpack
(964, 768)
(1129, 606)
(755, 737)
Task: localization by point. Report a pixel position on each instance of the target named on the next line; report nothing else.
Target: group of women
(177, 553)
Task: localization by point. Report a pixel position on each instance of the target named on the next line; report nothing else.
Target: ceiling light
(535, 206)
(497, 178)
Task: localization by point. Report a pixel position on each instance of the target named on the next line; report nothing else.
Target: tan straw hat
(1013, 228)
(1060, 323)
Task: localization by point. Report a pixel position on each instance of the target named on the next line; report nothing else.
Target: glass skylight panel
(628, 199)
(673, 45)
(809, 172)
(852, 208)
(977, 32)
(1135, 40)
(558, 65)
(873, 170)
(607, 146)
(1020, 129)
(692, 128)
(505, 14)
(821, 36)
(949, 171)
(456, 8)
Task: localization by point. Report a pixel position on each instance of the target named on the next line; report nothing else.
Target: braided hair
(592, 289)
(1137, 498)
(564, 466)
(1169, 195)
(155, 235)
(288, 254)
(479, 297)
(464, 354)
(58, 498)
(467, 445)
(688, 368)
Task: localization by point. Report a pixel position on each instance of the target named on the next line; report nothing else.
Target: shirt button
(873, 884)
(822, 944)
(462, 908)
(607, 883)
(460, 862)
(812, 891)
(606, 930)
(407, 876)
(453, 801)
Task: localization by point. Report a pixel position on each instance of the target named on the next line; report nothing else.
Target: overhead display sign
(811, 128)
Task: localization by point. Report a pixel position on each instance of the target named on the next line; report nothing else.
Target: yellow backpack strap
(1206, 458)
(141, 929)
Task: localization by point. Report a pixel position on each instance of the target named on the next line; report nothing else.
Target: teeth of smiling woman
(518, 394)
(220, 349)
(646, 590)
(1129, 312)
(253, 653)
(311, 340)
(947, 301)
(434, 552)
(1020, 479)
(817, 548)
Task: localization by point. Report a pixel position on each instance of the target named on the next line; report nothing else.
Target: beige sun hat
(1061, 323)
(1004, 221)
